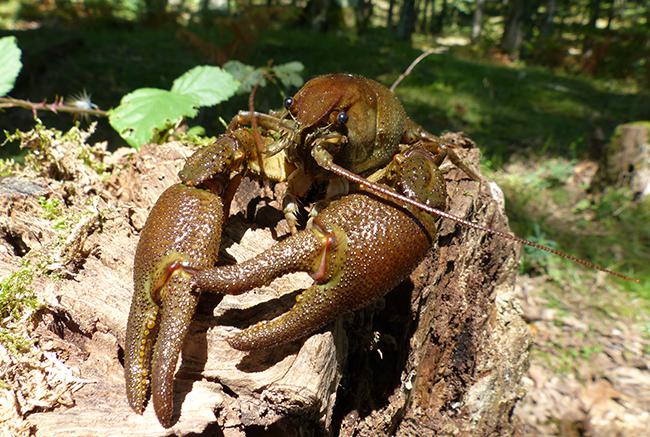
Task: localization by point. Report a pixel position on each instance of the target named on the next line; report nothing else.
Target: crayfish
(345, 131)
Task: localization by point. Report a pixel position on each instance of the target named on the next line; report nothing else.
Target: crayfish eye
(288, 102)
(342, 118)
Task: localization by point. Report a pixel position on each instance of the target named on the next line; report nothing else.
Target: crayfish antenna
(384, 191)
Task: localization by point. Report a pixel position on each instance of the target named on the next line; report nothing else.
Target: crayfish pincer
(344, 250)
(183, 227)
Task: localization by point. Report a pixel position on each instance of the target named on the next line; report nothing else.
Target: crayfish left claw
(163, 302)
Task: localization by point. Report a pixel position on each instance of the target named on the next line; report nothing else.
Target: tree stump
(626, 160)
(442, 354)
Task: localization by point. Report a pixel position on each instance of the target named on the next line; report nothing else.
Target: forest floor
(589, 359)
(588, 370)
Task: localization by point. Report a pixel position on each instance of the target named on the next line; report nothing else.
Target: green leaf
(147, 110)
(289, 74)
(206, 85)
(10, 64)
(247, 76)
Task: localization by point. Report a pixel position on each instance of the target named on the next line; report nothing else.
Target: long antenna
(340, 171)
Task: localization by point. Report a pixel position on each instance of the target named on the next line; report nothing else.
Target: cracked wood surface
(445, 352)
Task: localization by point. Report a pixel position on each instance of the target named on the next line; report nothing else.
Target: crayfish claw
(176, 314)
(163, 302)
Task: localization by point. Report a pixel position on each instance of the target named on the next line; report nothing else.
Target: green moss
(7, 167)
(14, 342)
(88, 158)
(17, 300)
(16, 297)
(46, 147)
(52, 208)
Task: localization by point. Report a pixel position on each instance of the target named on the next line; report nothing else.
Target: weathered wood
(626, 160)
(444, 352)
(462, 345)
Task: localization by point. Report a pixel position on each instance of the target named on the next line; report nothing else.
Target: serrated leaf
(207, 85)
(246, 75)
(147, 110)
(289, 74)
(10, 64)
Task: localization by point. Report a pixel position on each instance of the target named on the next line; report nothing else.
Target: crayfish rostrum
(336, 128)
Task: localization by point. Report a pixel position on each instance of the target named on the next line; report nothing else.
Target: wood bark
(317, 14)
(154, 11)
(549, 17)
(477, 20)
(442, 354)
(513, 32)
(439, 23)
(363, 14)
(625, 162)
(594, 13)
(389, 18)
(407, 16)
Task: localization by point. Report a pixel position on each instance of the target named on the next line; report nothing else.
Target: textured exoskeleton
(183, 227)
(347, 120)
(357, 248)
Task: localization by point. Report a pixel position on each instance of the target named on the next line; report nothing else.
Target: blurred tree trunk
(425, 14)
(154, 10)
(610, 16)
(316, 14)
(362, 14)
(389, 20)
(407, 16)
(611, 13)
(204, 12)
(562, 12)
(477, 20)
(594, 12)
(549, 17)
(432, 16)
(531, 19)
(441, 18)
(518, 22)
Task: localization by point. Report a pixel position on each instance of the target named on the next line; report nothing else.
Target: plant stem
(56, 106)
